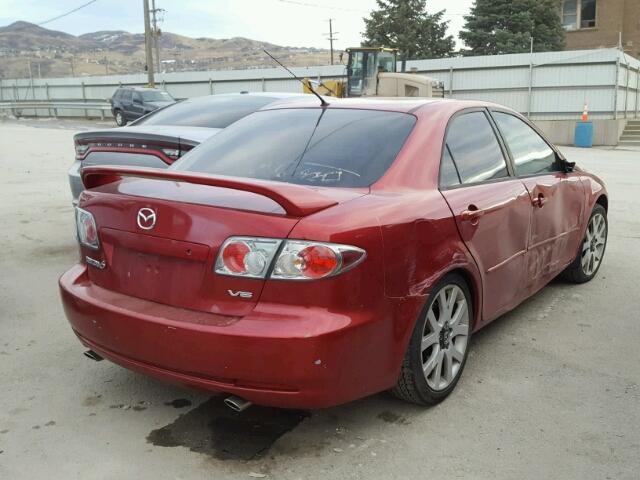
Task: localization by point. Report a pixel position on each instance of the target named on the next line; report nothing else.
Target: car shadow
(206, 426)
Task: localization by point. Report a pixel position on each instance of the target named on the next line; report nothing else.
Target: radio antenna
(323, 102)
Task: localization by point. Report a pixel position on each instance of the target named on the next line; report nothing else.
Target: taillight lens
(168, 152)
(246, 256)
(172, 153)
(296, 260)
(87, 229)
(81, 149)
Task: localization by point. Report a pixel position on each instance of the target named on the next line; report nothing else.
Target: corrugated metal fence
(546, 86)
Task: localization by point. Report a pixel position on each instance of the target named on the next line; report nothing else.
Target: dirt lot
(551, 390)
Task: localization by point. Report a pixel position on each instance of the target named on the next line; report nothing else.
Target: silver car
(161, 137)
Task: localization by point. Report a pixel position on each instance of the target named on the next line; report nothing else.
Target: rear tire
(589, 257)
(120, 120)
(439, 344)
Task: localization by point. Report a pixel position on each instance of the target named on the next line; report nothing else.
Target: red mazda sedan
(308, 256)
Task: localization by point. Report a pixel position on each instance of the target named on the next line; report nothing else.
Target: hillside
(57, 54)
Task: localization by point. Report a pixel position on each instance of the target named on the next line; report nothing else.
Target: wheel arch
(604, 202)
(475, 290)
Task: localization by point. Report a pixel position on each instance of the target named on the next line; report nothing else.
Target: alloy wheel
(593, 244)
(445, 337)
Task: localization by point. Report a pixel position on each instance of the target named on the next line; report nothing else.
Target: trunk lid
(172, 261)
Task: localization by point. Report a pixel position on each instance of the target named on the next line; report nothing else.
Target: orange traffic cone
(585, 113)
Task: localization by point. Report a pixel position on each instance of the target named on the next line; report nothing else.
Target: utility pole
(156, 32)
(331, 38)
(147, 44)
(73, 72)
(33, 93)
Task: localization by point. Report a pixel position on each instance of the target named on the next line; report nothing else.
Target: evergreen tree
(406, 25)
(505, 26)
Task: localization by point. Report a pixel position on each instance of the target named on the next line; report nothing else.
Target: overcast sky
(283, 22)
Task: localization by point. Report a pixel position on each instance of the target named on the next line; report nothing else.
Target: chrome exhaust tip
(93, 355)
(237, 404)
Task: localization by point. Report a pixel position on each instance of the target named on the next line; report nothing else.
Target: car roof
(142, 89)
(394, 104)
(274, 95)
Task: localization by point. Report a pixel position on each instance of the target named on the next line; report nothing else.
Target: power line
(67, 13)
(57, 17)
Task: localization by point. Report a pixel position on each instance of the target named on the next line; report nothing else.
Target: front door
(557, 198)
(137, 109)
(492, 209)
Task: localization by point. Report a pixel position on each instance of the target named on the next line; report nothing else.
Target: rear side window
(475, 148)
(212, 112)
(126, 96)
(117, 94)
(531, 154)
(309, 146)
(448, 172)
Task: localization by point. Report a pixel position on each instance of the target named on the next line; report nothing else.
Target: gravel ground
(551, 390)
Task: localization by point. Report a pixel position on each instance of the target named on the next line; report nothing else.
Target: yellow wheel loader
(371, 72)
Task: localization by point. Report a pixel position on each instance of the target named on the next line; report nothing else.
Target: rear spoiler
(296, 200)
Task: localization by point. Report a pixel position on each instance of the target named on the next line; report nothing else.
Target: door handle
(471, 214)
(539, 201)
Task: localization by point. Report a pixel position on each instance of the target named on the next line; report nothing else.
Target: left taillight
(246, 256)
(81, 150)
(285, 259)
(86, 229)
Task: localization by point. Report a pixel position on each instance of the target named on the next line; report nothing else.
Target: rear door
(492, 208)
(557, 198)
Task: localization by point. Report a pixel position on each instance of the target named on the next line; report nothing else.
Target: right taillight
(87, 229)
(285, 259)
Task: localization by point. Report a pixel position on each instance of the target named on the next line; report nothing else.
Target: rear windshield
(323, 147)
(212, 112)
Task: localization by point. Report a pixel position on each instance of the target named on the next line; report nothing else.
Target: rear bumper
(283, 356)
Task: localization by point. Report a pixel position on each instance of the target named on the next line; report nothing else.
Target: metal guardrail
(17, 108)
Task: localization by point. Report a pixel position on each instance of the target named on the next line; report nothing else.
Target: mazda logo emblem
(146, 218)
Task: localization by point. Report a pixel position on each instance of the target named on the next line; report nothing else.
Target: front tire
(589, 258)
(438, 348)
(120, 120)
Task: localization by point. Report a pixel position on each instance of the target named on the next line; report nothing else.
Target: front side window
(308, 146)
(356, 73)
(531, 154)
(475, 149)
